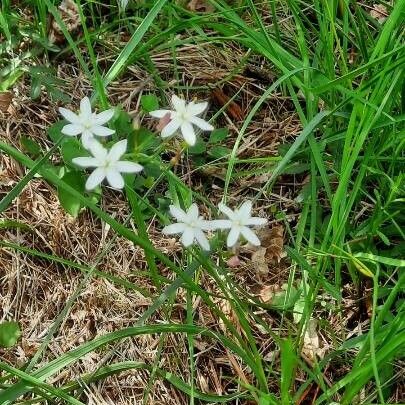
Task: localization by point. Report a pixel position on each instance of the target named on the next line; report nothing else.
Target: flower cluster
(191, 225)
(107, 164)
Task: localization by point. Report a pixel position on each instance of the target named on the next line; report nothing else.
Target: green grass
(352, 145)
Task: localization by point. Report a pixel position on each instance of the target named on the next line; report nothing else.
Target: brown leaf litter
(34, 290)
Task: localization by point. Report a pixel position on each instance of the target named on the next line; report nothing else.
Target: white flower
(184, 116)
(86, 123)
(108, 164)
(190, 225)
(238, 223)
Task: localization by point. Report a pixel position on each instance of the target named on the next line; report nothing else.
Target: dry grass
(35, 290)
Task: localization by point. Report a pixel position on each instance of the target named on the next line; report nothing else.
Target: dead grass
(34, 290)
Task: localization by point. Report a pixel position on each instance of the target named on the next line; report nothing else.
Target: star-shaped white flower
(238, 223)
(190, 224)
(86, 122)
(108, 165)
(184, 116)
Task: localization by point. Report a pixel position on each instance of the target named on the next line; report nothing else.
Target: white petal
(85, 161)
(170, 128)
(128, 167)
(160, 113)
(179, 104)
(115, 179)
(72, 129)
(192, 212)
(250, 236)
(85, 107)
(226, 210)
(87, 139)
(103, 117)
(178, 213)
(117, 150)
(95, 178)
(202, 124)
(69, 115)
(174, 228)
(97, 150)
(201, 239)
(233, 236)
(255, 221)
(99, 130)
(187, 238)
(196, 108)
(188, 133)
(245, 210)
(217, 224)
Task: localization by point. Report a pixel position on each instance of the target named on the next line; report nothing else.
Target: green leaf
(30, 146)
(149, 102)
(285, 299)
(71, 148)
(218, 135)
(35, 90)
(12, 224)
(67, 200)
(9, 333)
(219, 152)
(143, 140)
(288, 363)
(152, 170)
(55, 131)
(199, 148)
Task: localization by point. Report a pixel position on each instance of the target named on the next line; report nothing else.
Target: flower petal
(174, 228)
(245, 210)
(192, 213)
(196, 108)
(250, 236)
(99, 130)
(69, 115)
(159, 113)
(256, 221)
(117, 150)
(87, 139)
(201, 239)
(95, 178)
(216, 224)
(128, 167)
(202, 124)
(85, 107)
(115, 179)
(103, 117)
(97, 150)
(85, 161)
(187, 238)
(227, 211)
(179, 104)
(178, 213)
(188, 133)
(170, 128)
(72, 129)
(233, 236)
